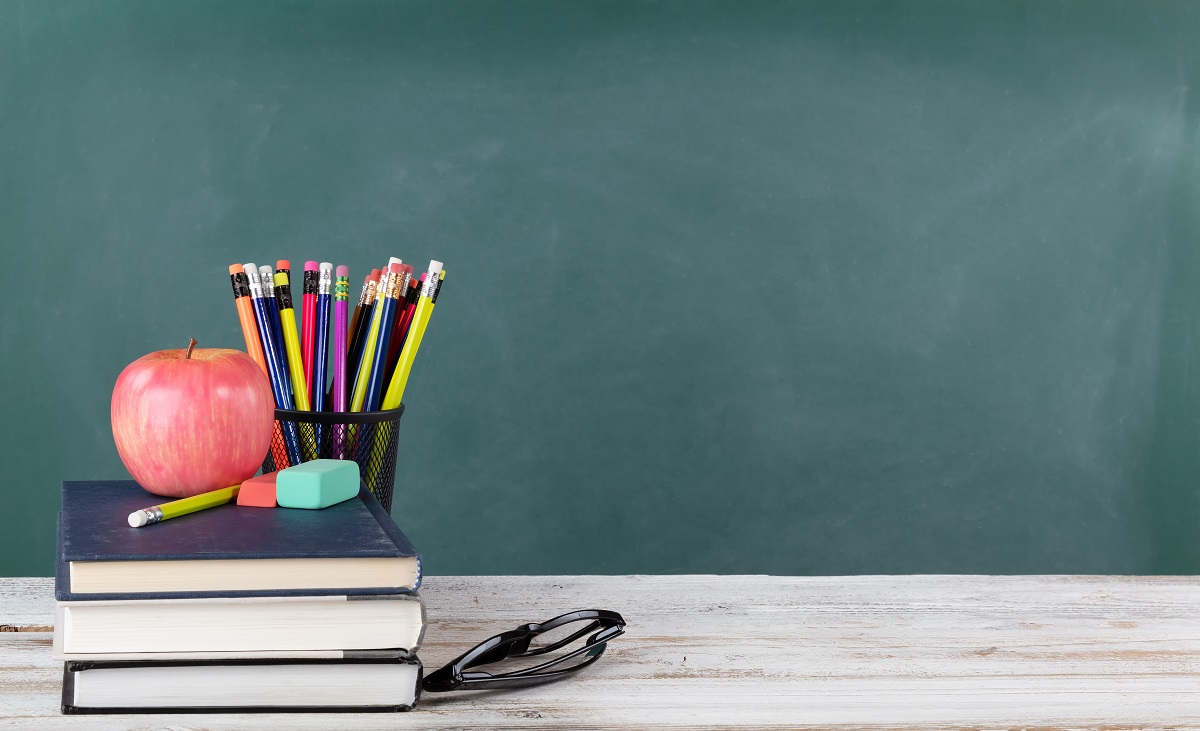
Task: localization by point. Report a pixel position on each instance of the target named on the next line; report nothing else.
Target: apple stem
(191, 344)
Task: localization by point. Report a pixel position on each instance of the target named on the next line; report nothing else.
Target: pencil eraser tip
(343, 270)
(326, 266)
(375, 275)
(283, 264)
(249, 268)
(395, 268)
(310, 266)
(394, 260)
(137, 519)
(435, 265)
(236, 269)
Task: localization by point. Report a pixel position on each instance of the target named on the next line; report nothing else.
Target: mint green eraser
(317, 484)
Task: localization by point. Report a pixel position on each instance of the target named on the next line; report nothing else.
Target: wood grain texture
(1052, 652)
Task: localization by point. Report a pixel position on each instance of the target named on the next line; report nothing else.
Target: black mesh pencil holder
(369, 438)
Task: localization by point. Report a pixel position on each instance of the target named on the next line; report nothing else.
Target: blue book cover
(93, 527)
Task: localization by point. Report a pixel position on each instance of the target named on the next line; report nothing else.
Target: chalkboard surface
(777, 287)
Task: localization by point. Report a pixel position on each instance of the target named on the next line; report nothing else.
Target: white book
(381, 684)
(246, 627)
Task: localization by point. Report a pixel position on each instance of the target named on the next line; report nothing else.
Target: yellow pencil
(176, 508)
(416, 331)
(291, 341)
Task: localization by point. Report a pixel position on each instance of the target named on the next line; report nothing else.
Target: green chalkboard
(779, 287)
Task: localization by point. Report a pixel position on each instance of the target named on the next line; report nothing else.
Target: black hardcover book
(346, 549)
(378, 683)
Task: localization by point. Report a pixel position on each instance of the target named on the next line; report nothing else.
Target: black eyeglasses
(530, 640)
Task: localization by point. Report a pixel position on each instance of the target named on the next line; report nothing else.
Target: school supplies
(308, 322)
(176, 508)
(245, 308)
(429, 292)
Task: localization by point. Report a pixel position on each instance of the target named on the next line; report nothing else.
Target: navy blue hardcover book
(346, 549)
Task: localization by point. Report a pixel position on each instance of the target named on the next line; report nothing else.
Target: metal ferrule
(431, 282)
(256, 290)
(310, 281)
(371, 287)
(341, 290)
(393, 286)
(268, 280)
(325, 282)
(153, 515)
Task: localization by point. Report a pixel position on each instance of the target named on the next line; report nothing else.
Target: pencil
(176, 508)
(245, 308)
(291, 343)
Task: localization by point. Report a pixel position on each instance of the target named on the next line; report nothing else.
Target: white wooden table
(1061, 652)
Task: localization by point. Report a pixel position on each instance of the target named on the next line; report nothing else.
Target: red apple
(190, 421)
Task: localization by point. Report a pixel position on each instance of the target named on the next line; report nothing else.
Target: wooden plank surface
(1053, 652)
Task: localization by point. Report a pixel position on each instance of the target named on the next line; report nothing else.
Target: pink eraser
(374, 275)
(343, 270)
(310, 266)
(258, 492)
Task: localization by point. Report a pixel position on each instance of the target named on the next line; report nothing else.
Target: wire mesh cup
(369, 438)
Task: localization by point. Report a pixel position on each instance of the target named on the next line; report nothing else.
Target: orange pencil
(241, 297)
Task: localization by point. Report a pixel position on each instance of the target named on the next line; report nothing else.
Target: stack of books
(234, 608)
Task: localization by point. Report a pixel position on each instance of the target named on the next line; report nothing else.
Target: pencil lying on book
(176, 508)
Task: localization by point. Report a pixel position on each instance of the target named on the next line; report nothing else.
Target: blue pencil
(275, 367)
(321, 341)
(267, 278)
